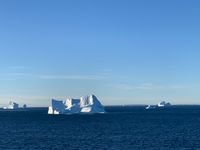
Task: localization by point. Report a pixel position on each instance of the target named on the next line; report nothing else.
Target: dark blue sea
(121, 128)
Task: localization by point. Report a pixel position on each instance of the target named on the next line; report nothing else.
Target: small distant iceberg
(24, 106)
(12, 105)
(150, 107)
(163, 104)
(87, 104)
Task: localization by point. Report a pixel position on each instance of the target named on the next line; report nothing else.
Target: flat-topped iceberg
(12, 105)
(87, 104)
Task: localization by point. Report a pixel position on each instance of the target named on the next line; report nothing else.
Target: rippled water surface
(124, 128)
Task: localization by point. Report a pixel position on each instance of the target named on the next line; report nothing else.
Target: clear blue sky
(123, 51)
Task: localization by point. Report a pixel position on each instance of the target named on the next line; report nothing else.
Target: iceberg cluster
(159, 105)
(12, 105)
(87, 104)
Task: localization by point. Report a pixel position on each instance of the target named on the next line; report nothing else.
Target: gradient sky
(123, 51)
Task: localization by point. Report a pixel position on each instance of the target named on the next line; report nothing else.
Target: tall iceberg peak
(89, 101)
(87, 104)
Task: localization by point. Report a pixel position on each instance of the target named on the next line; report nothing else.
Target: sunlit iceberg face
(71, 102)
(87, 104)
(89, 100)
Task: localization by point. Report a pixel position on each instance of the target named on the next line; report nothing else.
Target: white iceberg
(12, 105)
(87, 104)
(163, 104)
(150, 107)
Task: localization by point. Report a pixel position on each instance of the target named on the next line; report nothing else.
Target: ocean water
(121, 128)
